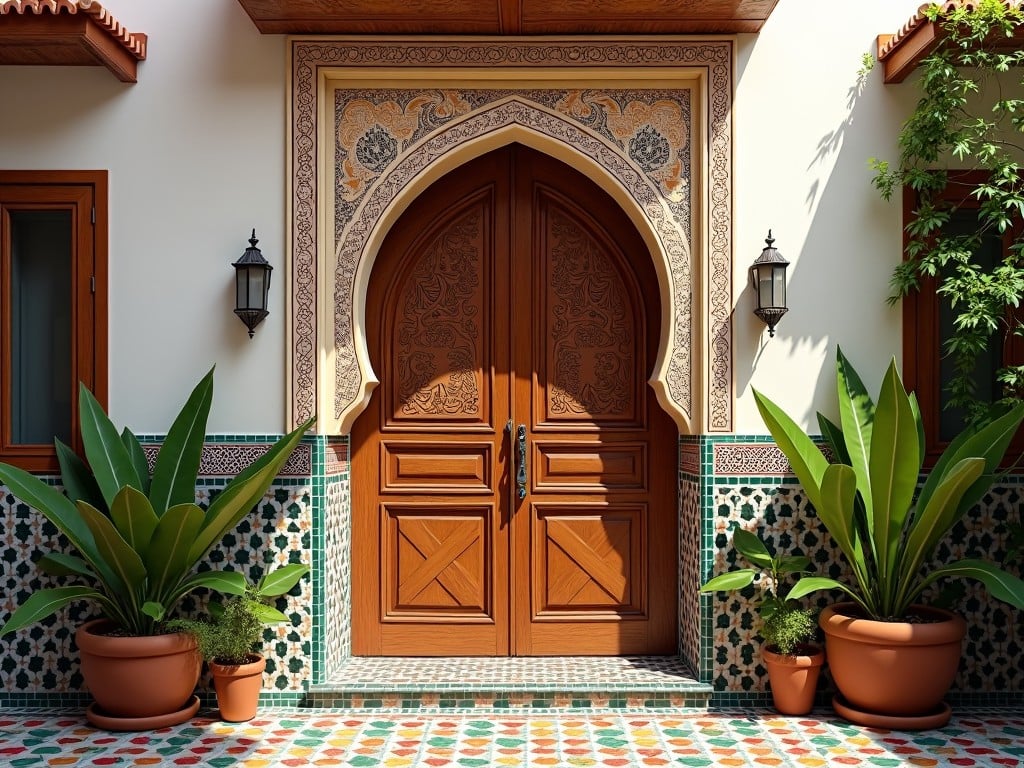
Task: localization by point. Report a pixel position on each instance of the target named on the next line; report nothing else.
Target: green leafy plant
(866, 498)
(967, 117)
(236, 627)
(782, 627)
(138, 537)
(789, 628)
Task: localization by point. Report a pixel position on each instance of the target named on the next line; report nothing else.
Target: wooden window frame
(922, 345)
(85, 194)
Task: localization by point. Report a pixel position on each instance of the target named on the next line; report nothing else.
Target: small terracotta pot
(794, 678)
(891, 667)
(238, 688)
(138, 677)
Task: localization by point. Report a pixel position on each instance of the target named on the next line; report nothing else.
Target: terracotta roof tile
(901, 52)
(133, 42)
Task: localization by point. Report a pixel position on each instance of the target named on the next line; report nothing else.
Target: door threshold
(507, 682)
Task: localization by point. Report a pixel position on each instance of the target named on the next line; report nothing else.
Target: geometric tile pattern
(991, 671)
(337, 573)
(42, 658)
(297, 738)
(511, 682)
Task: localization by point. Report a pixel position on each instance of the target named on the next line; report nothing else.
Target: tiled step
(559, 683)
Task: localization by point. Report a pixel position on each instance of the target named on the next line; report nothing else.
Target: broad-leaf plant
(868, 499)
(138, 537)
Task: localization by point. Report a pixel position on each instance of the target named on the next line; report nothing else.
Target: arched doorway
(513, 478)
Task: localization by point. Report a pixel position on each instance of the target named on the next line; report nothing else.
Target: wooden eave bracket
(68, 33)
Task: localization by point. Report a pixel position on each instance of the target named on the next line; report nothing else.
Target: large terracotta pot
(794, 678)
(238, 688)
(138, 677)
(893, 668)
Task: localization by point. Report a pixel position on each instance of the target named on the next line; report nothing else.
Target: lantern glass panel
(256, 295)
(763, 276)
(779, 290)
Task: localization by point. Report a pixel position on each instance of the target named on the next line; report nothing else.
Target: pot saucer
(101, 719)
(934, 719)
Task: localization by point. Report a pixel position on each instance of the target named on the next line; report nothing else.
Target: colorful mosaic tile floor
(294, 738)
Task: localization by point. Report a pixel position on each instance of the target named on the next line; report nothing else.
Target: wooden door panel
(588, 370)
(590, 562)
(513, 290)
(417, 467)
(440, 336)
(437, 563)
(576, 466)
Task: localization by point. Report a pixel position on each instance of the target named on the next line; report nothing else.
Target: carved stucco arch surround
(691, 292)
(498, 125)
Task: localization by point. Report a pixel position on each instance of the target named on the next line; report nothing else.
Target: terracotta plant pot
(794, 678)
(138, 677)
(893, 668)
(238, 688)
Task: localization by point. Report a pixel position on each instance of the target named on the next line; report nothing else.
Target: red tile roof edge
(891, 42)
(133, 42)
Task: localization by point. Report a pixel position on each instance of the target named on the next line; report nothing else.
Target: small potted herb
(229, 638)
(793, 661)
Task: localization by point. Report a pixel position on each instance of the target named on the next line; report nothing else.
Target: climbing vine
(966, 118)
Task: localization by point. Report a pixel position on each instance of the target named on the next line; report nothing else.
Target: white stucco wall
(196, 156)
(804, 131)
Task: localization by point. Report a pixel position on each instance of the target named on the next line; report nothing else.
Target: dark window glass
(41, 301)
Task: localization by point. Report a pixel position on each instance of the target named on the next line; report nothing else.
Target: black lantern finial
(252, 285)
(768, 276)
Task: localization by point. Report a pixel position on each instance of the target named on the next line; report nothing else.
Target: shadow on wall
(814, 190)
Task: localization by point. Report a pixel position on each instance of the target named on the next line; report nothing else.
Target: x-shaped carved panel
(442, 551)
(591, 559)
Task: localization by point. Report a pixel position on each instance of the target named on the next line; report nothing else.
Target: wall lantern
(252, 284)
(768, 276)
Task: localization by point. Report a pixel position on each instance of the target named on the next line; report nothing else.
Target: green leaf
(1000, 584)
(154, 610)
(134, 518)
(934, 520)
(266, 614)
(893, 465)
(810, 584)
(76, 477)
(60, 564)
(804, 456)
(111, 465)
(794, 564)
(833, 439)
(116, 552)
(242, 493)
(988, 441)
(46, 602)
(168, 560)
(138, 457)
(177, 464)
(210, 579)
(856, 415)
(836, 509)
(226, 582)
(54, 506)
(751, 547)
(727, 582)
(281, 580)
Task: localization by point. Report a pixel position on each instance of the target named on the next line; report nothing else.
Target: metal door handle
(521, 468)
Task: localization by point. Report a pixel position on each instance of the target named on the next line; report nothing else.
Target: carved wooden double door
(513, 478)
